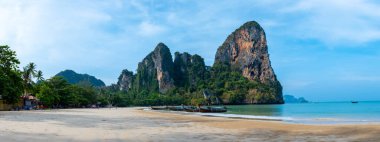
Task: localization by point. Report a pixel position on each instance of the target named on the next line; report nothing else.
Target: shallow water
(318, 113)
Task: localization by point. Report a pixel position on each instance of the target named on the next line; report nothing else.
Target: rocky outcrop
(190, 70)
(293, 99)
(125, 80)
(246, 50)
(155, 72)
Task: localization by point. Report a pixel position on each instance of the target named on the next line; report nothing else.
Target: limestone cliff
(155, 72)
(182, 63)
(246, 50)
(190, 70)
(125, 80)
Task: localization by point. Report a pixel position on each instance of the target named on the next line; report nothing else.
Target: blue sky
(323, 50)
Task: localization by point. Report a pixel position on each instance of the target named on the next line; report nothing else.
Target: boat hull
(212, 110)
(159, 108)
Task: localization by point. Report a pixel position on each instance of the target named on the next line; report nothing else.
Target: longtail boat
(176, 108)
(159, 107)
(212, 109)
(191, 109)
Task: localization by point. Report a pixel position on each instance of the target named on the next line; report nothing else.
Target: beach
(137, 124)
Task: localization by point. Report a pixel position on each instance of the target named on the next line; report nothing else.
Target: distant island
(293, 99)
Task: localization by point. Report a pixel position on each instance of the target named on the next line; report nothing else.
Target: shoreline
(214, 115)
(136, 124)
(288, 120)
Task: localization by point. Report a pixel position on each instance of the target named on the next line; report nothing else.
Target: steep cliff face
(155, 72)
(190, 70)
(125, 80)
(246, 50)
(182, 63)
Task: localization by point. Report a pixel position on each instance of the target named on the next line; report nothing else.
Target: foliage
(57, 92)
(10, 77)
(229, 85)
(47, 95)
(28, 74)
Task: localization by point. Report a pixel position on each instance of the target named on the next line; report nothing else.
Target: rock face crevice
(246, 50)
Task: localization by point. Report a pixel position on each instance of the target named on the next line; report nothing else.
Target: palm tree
(32, 68)
(39, 76)
(27, 75)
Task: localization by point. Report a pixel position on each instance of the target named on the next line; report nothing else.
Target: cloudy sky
(324, 50)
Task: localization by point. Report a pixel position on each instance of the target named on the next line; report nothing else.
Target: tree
(10, 81)
(27, 76)
(39, 76)
(47, 95)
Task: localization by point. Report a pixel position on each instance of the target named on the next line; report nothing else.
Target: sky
(322, 50)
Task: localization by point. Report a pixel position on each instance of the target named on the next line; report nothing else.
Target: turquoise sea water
(318, 113)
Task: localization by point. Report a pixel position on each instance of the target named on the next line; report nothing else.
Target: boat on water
(159, 107)
(209, 109)
(191, 109)
(176, 108)
(354, 102)
(203, 109)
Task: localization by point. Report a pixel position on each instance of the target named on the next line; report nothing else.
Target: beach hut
(29, 102)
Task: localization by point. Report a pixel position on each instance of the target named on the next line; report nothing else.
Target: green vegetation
(11, 85)
(57, 92)
(28, 74)
(231, 87)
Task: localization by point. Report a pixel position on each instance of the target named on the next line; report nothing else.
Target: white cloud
(143, 10)
(148, 29)
(337, 21)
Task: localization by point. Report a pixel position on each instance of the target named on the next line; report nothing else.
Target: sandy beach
(134, 124)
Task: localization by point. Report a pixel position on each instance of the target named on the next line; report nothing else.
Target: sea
(363, 112)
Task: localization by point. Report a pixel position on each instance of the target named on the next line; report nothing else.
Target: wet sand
(134, 124)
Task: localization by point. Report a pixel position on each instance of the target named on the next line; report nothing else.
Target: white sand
(131, 124)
